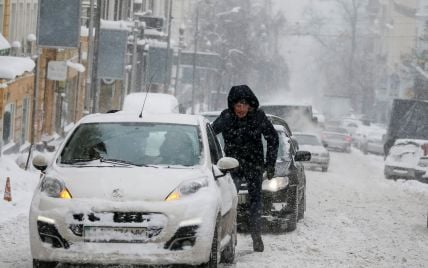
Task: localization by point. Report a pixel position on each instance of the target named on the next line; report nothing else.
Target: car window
(215, 149)
(136, 143)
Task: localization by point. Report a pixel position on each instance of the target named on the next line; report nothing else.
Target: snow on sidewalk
(22, 185)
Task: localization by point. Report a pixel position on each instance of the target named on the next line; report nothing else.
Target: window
(25, 121)
(8, 123)
(215, 149)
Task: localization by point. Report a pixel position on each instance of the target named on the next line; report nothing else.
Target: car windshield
(307, 140)
(284, 147)
(133, 143)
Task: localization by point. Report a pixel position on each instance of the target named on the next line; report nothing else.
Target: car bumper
(158, 240)
(274, 210)
(402, 172)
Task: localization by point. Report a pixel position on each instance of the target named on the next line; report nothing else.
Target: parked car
(128, 190)
(320, 157)
(284, 196)
(407, 159)
(337, 139)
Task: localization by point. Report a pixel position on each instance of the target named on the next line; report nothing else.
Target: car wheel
(294, 211)
(228, 254)
(44, 264)
(302, 206)
(324, 169)
(214, 254)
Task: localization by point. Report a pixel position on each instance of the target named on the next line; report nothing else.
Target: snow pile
(4, 44)
(11, 67)
(22, 185)
(77, 66)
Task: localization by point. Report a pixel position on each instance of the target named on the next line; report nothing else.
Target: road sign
(57, 70)
(58, 23)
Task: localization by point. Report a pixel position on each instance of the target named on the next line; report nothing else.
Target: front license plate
(400, 171)
(119, 234)
(242, 199)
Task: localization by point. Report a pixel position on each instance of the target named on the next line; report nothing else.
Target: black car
(284, 196)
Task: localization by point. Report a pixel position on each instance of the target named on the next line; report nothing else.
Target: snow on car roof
(405, 141)
(184, 119)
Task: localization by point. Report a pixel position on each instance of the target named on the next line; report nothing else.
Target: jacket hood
(242, 92)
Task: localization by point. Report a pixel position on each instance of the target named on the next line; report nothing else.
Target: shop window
(8, 123)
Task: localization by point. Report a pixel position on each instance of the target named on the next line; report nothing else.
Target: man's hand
(270, 172)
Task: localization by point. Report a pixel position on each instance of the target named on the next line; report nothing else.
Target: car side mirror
(226, 164)
(40, 162)
(325, 144)
(302, 156)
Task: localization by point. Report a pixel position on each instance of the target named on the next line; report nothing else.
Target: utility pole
(90, 54)
(195, 50)
(180, 46)
(168, 46)
(94, 77)
(35, 104)
(134, 56)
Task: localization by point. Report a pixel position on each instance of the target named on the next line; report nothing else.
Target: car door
(225, 183)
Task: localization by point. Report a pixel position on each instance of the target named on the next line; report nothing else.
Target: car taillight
(348, 138)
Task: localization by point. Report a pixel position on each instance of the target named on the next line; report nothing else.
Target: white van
(153, 103)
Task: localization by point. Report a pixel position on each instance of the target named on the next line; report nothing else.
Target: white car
(128, 190)
(320, 157)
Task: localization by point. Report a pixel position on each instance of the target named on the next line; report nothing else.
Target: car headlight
(55, 188)
(325, 154)
(187, 188)
(275, 184)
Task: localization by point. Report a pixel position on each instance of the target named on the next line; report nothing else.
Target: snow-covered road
(354, 218)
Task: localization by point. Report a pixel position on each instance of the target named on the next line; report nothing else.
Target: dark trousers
(254, 179)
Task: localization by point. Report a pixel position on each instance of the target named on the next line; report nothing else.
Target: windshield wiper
(124, 162)
(117, 161)
(77, 160)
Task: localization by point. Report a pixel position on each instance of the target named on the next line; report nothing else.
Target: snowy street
(354, 218)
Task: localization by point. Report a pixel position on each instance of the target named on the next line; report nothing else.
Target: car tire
(214, 254)
(302, 206)
(228, 254)
(44, 264)
(293, 215)
(324, 169)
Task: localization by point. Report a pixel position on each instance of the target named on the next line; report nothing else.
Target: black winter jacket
(243, 137)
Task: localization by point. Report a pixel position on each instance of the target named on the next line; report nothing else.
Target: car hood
(313, 149)
(124, 183)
